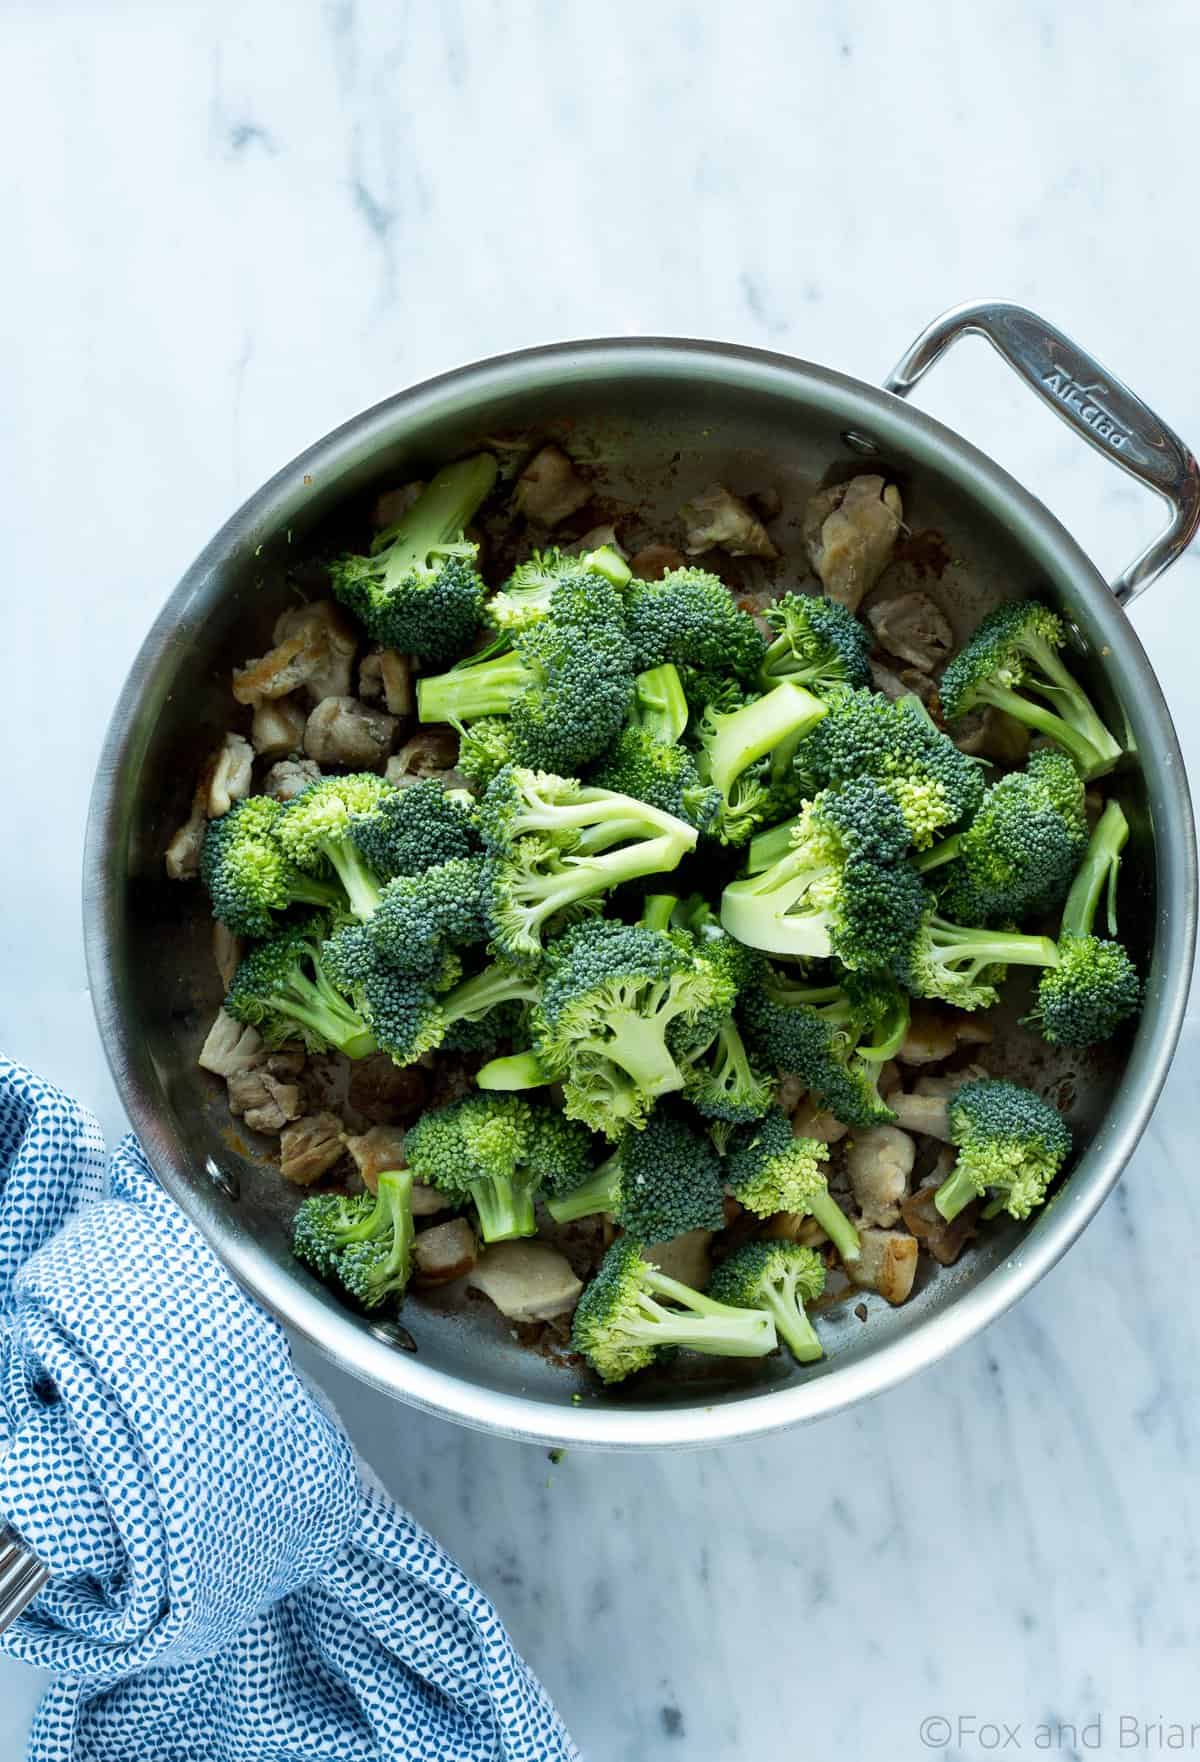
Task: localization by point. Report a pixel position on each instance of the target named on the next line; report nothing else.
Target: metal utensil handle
(1095, 402)
(22, 1576)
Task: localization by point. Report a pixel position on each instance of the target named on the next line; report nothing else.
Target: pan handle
(22, 1576)
(1095, 402)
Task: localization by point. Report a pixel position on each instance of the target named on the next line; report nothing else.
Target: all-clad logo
(1083, 400)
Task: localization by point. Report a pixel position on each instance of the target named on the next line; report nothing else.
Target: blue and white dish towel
(224, 1586)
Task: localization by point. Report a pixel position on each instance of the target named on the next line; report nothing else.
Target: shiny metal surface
(22, 1576)
(1092, 401)
(653, 420)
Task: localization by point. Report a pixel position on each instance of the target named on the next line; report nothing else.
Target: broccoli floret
(839, 890)
(748, 754)
(497, 1152)
(420, 918)
(526, 595)
(364, 1240)
(963, 964)
(820, 645)
(484, 749)
(315, 831)
(1011, 1144)
(565, 685)
(689, 617)
(419, 591)
(836, 1037)
(780, 1277)
(413, 829)
(558, 844)
(770, 1170)
(1019, 853)
(721, 1080)
(403, 1011)
(867, 735)
(283, 989)
(658, 1183)
(1013, 653)
(665, 776)
(1095, 985)
(602, 1025)
(249, 878)
(489, 1006)
(622, 1322)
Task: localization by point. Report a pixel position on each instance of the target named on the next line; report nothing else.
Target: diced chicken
(263, 1101)
(393, 503)
(850, 532)
(333, 642)
(549, 489)
(717, 519)
(889, 1077)
(431, 752)
(527, 1280)
(230, 1048)
(790, 1092)
(309, 1147)
(341, 731)
(384, 1093)
(922, 1113)
(912, 626)
(231, 775)
(794, 1226)
(444, 1253)
(879, 1162)
(992, 734)
(811, 1121)
(287, 1066)
(888, 1264)
(387, 674)
(183, 852)
(948, 1083)
(376, 1150)
(685, 1258)
(277, 727)
(907, 683)
(945, 1241)
(227, 952)
(654, 561)
(931, 1037)
(288, 777)
(283, 670)
(594, 539)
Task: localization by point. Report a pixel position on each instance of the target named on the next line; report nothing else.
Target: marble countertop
(230, 227)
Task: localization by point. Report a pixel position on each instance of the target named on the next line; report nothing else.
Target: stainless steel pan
(654, 420)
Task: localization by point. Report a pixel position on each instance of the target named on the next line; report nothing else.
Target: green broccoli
(419, 591)
(961, 964)
(898, 745)
(1018, 855)
(767, 847)
(836, 1037)
(565, 685)
(557, 845)
(411, 830)
(526, 595)
(780, 1277)
(1011, 1144)
(721, 1080)
(1014, 653)
(602, 1026)
(316, 831)
(631, 1312)
(489, 1006)
(662, 775)
(498, 1152)
(689, 617)
(658, 1183)
(484, 749)
(1095, 985)
(250, 879)
(402, 1010)
(420, 918)
(364, 1241)
(821, 645)
(282, 988)
(770, 1170)
(748, 755)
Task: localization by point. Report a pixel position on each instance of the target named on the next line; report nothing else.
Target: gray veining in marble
(229, 227)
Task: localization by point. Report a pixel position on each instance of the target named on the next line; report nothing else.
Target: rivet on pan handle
(22, 1576)
(1095, 402)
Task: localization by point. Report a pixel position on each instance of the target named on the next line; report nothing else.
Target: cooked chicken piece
(889, 1077)
(794, 1226)
(716, 518)
(526, 1280)
(850, 532)
(393, 503)
(263, 1101)
(283, 670)
(230, 780)
(430, 753)
(379, 1148)
(287, 1066)
(971, 1029)
(332, 643)
(888, 1264)
(932, 1036)
(685, 1258)
(879, 1162)
(945, 1241)
(341, 731)
(992, 734)
(811, 1121)
(912, 626)
(549, 489)
(790, 1092)
(948, 1083)
(385, 1093)
(227, 953)
(277, 727)
(309, 1147)
(654, 561)
(907, 683)
(230, 1048)
(287, 777)
(387, 674)
(183, 852)
(922, 1113)
(594, 539)
(444, 1253)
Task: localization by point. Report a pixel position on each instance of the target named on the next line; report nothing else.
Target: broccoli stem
(836, 1225)
(356, 875)
(597, 1194)
(758, 911)
(791, 1321)
(700, 1323)
(977, 949)
(744, 736)
(472, 690)
(1089, 760)
(325, 1014)
(939, 854)
(611, 564)
(505, 1209)
(486, 991)
(637, 1045)
(434, 523)
(955, 1194)
(659, 705)
(1063, 689)
(657, 910)
(1098, 871)
(519, 1070)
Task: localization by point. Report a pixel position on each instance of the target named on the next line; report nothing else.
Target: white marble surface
(229, 226)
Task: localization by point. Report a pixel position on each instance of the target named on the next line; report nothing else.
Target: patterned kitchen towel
(225, 1586)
